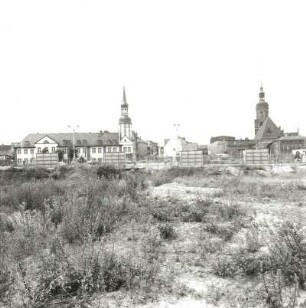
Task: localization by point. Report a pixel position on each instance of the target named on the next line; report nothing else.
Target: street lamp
(73, 139)
(177, 129)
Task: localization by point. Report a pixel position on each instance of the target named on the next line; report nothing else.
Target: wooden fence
(257, 157)
(47, 160)
(191, 159)
(115, 159)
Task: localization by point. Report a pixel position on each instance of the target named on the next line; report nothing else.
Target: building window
(19, 161)
(99, 150)
(64, 150)
(25, 151)
(124, 150)
(129, 149)
(114, 149)
(94, 150)
(18, 151)
(38, 150)
(84, 150)
(31, 160)
(53, 149)
(32, 151)
(26, 161)
(109, 149)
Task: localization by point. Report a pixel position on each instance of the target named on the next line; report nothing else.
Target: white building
(175, 145)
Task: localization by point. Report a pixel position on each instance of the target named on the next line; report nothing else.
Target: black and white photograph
(152, 154)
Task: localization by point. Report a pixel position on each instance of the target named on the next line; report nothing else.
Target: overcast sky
(194, 63)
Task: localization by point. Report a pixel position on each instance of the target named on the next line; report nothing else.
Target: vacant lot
(215, 236)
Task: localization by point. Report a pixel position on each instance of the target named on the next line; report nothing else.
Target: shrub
(167, 231)
(252, 241)
(6, 276)
(224, 266)
(210, 244)
(224, 231)
(277, 294)
(109, 172)
(287, 246)
(68, 272)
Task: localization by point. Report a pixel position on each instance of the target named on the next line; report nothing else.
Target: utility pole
(73, 139)
(177, 129)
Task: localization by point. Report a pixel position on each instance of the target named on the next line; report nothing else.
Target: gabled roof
(268, 131)
(292, 138)
(81, 139)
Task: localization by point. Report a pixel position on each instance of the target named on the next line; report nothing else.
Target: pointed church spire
(124, 96)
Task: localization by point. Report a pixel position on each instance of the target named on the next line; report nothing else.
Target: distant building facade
(175, 145)
(84, 146)
(6, 154)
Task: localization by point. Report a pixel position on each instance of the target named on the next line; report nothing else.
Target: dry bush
(287, 246)
(81, 218)
(248, 295)
(277, 295)
(6, 275)
(64, 272)
(252, 239)
(209, 243)
(167, 231)
(238, 262)
(109, 172)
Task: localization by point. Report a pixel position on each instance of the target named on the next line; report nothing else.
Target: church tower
(262, 111)
(125, 122)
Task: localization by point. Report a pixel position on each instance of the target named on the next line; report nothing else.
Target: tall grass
(52, 237)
